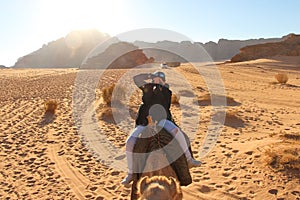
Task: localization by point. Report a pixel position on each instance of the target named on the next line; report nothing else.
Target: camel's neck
(157, 164)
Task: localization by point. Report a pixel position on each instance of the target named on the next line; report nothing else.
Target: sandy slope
(46, 157)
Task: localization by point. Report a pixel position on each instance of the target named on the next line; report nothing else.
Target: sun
(104, 15)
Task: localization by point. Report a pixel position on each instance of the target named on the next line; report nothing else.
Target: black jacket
(152, 94)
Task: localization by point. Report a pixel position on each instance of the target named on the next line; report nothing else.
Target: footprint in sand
(88, 196)
(206, 178)
(231, 189)
(235, 151)
(226, 174)
(227, 169)
(296, 193)
(243, 167)
(228, 155)
(244, 183)
(257, 156)
(273, 191)
(227, 182)
(196, 180)
(205, 189)
(248, 176)
(258, 182)
(115, 173)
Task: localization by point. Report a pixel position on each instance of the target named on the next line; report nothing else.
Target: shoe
(127, 180)
(193, 163)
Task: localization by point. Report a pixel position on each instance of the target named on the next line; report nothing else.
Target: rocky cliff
(197, 51)
(290, 46)
(68, 51)
(120, 55)
(72, 50)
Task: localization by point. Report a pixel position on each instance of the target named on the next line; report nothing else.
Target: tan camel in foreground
(163, 182)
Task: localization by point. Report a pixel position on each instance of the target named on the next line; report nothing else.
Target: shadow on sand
(231, 120)
(48, 118)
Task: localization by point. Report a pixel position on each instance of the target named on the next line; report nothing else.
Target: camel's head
(160, 188)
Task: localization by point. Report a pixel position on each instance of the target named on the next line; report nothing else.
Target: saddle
(156, 140)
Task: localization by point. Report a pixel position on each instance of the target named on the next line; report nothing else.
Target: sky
(28, 24)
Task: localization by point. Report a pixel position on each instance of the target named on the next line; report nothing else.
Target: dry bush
(282, 78)
(285, 157)
(107, 92)
(50, 106)
(175, 98)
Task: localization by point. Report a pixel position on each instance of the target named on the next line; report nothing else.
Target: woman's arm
(139, 79)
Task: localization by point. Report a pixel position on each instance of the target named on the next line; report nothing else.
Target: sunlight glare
(67, 15)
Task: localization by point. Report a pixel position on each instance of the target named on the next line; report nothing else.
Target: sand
(46, 157)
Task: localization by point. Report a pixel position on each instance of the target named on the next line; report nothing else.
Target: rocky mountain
(2, 67)
(290, 46)
(223, 50)
(68, 51)
(120, 55)
(74, 50)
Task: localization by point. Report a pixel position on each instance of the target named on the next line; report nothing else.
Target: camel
(159, 164)
(159, 187)
(49, 115)
(50, 106)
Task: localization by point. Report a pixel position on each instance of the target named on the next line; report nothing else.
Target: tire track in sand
(77, 182)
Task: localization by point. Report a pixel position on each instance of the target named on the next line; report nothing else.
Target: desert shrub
(282, 78)
(50, 106)
(107, 93)
(285, 157)
(175, 98)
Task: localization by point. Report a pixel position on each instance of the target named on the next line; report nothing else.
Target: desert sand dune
(51, 159)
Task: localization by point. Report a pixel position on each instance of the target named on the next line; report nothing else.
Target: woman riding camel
(155, 93)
